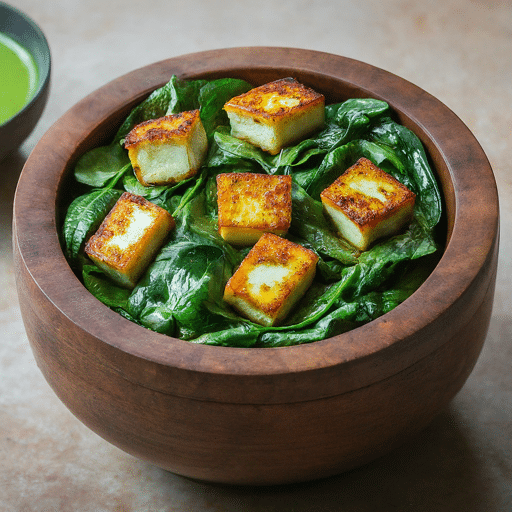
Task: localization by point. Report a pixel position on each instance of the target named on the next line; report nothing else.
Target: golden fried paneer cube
(366, 203)
(276, 114)
(167, 150)
(271, 279)
(128, 238)
(252, 204)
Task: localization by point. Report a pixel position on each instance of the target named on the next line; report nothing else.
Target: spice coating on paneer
(271, 279)
(276, 114)
(168, 149)
(252, 204)
(365, 203)
(128, 238)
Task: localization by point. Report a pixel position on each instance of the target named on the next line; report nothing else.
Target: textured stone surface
(461, 52)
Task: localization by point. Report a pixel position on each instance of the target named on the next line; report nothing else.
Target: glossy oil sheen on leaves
(181, 291)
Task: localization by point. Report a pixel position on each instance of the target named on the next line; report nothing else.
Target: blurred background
(458, 50)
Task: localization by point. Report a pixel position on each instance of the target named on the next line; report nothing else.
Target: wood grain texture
(225, 414)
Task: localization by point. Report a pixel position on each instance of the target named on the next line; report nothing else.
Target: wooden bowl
(22, 29)
(259, 415)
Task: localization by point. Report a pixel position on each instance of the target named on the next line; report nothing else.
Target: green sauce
(18, 77)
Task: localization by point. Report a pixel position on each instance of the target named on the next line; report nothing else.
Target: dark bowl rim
(351, 360)
(44, 74)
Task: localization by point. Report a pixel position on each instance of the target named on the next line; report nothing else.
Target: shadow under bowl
(260, 416)
(23, 30)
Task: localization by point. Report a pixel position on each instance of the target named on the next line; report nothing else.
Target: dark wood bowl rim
(348, 361)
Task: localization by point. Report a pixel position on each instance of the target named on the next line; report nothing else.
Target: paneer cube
(366, 203)
(271, 279)
(252, 204)
(276, 114)
(128, 238)
(167, 150)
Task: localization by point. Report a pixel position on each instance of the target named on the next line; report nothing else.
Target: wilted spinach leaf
(99, 165)
(421, 180)
(310, 224)
(174, 97)
(102, 287)
(181, 292)
(86, 213)
(84, 216)
(212, 97)
(184, 276)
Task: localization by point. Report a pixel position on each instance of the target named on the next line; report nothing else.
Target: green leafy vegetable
(417, 173)
(101, 164)
(309, 223)
(102, 288)
(174, 97)
(86, 213)
(181, 292)
(84, 216)
(213, 96)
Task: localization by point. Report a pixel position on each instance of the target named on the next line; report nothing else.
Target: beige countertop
(459, 51)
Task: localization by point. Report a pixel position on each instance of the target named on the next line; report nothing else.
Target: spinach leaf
(174, 97)
(230, 151)
(181, 95)
(244, 335)
(344, 122)
(296, 155)
(349, 120)
(212, 97)
(309, 223)
(100, 164)
(313, 306)
(337, 161)
(165, 196)
(310, 311)
(355, 111)
(345, 315)
(85, 214)
(308, 322)
(381, 262)
(191, 192)
(102, 287)
(131, 184)
(411, 153)
(182, 278)
(316, 302)
(181, 292)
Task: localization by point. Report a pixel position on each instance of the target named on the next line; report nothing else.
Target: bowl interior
(368, 353)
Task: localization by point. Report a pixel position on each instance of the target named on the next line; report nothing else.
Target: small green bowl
(19, 27)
